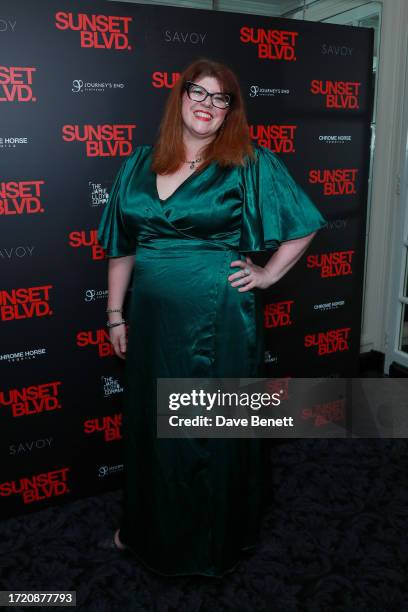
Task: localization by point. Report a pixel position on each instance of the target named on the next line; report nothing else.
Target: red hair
(232, 141)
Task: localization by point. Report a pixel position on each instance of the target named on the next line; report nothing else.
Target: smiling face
(202, 120)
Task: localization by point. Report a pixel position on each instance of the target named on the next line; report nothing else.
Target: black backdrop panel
(308, 92)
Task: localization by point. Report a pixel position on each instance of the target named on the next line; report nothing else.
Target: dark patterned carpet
(334, 538)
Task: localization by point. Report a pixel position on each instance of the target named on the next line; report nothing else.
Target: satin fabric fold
(252, 209)
(192, 505)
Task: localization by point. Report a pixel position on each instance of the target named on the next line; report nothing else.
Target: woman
(184, 217)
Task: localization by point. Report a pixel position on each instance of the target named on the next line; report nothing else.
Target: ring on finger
(246, 271)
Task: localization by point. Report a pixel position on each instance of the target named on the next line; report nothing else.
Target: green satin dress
(192, 505)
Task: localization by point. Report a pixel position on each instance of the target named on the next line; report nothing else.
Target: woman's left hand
(249, 276)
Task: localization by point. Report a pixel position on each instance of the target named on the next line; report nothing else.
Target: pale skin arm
(278, 265)
(119, 272)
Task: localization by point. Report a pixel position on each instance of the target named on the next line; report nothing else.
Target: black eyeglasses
(199, 94)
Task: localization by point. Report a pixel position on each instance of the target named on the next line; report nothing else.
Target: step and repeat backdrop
(83, 83)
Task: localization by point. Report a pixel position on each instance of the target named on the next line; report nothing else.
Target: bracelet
(108, 310)
(122, 322)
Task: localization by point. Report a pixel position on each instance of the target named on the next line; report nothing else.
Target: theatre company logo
(337, 94)
(97, 31)
(34, 399)
(336, 263)
(109, 426)
(277, 138)
(269, 357)
(37, 487)
(106, 140)
(25, 303)
(278, 314)
(111, 386)
(330, 341)
(335, 181)
(272, 44)
(20, 197)
(16, 84)
(99, 193)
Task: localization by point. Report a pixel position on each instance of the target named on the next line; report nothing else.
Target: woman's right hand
(118, 338)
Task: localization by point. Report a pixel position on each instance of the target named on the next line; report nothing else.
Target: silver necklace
(193, 162)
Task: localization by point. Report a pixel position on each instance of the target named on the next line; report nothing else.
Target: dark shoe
(110, 544)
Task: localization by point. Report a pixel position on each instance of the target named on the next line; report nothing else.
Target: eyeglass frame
(188, 84)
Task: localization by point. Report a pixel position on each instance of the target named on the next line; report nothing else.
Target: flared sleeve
(275, 207)
(112, 233)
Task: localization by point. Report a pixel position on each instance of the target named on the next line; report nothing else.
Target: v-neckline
(196, 171)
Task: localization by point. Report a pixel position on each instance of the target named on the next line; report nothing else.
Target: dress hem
(131, 551)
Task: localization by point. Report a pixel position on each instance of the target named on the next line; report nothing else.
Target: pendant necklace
(193, 162)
